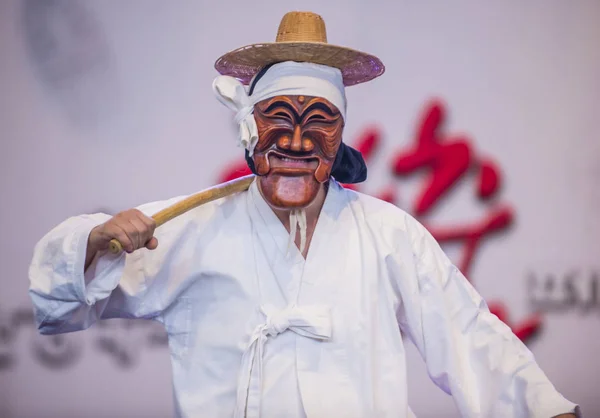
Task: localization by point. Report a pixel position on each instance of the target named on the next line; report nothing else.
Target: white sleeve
(469, 352)
(66, 299)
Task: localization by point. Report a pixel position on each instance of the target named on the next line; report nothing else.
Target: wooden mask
(298, 139)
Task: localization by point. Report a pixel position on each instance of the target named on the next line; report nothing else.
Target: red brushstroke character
(448, 159)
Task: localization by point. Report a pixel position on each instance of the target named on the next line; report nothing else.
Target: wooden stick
(225, 189)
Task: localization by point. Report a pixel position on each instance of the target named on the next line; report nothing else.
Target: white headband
(285, 78)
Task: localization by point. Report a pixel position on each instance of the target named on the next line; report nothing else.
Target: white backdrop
(107, 105)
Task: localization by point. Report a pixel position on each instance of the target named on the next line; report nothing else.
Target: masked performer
(292, 299)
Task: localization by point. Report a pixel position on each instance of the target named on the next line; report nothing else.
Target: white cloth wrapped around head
(282, 79)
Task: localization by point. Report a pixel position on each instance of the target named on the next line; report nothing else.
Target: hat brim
(356, 67)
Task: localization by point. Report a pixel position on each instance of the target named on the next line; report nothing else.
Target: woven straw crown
(302, 27)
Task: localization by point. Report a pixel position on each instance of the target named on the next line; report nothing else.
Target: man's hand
(131, 228)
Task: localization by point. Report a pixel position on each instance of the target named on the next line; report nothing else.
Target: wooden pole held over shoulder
(225, 189)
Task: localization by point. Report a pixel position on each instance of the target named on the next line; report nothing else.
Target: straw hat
(301, 37)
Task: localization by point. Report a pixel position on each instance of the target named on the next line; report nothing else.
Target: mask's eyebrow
(317, 105)
(323, 107)
(281, 103)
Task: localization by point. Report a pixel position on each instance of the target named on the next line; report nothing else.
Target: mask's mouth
(291, 164)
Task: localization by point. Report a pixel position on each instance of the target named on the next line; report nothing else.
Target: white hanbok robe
(256, 330)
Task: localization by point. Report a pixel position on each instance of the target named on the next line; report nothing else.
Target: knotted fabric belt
(308, 321)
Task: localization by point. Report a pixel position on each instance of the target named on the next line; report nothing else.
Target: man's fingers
(139, 232)
(152, 244)
(145, 225)
(149, 224)
(121, 235)
(131, 228)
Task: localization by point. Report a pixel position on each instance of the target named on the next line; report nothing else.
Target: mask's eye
(316, 118)
(280, 113)
(319, 112)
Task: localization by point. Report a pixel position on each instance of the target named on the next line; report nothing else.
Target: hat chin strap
(297, 221)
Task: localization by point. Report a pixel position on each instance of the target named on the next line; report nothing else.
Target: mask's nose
(295, 142)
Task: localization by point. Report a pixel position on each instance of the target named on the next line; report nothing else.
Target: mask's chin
(287, 183)
(287, 192)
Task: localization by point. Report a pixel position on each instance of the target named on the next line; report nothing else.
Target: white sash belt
(308, 321)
